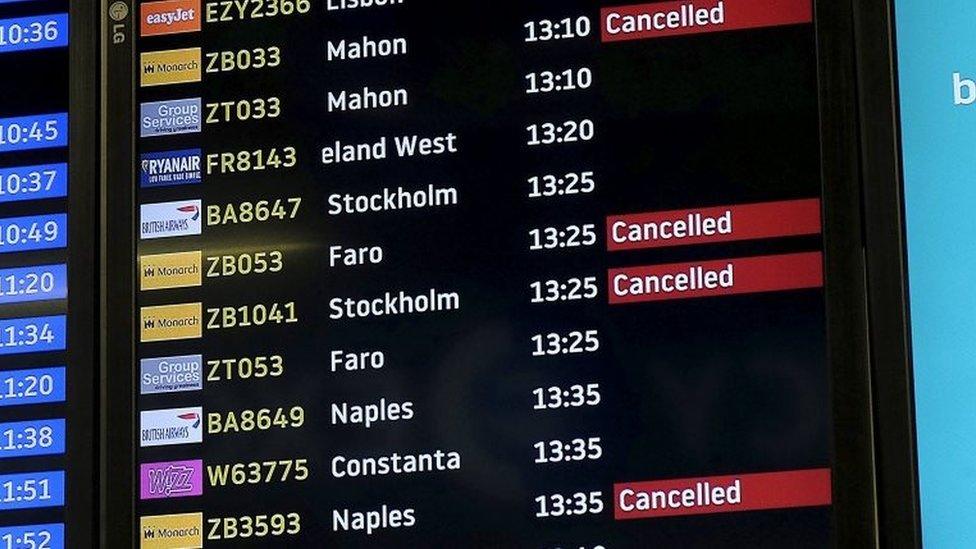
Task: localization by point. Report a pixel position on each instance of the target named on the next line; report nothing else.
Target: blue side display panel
(39, 283)
(35, 232)
(33, 33)
(34, 240)
(41, 437)
(43, 131)
(33, 335)
(33, 182)
(35, 536)
(35, 386)
(31, 490)
(937, 72)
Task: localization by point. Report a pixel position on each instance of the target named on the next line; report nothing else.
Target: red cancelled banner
(725, 494)
(716, 278)
(718, 224)
(643, 21)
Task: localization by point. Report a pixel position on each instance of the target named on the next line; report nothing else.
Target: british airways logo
(172, 426)
(193, 417)
(170, 219)
(159, 169)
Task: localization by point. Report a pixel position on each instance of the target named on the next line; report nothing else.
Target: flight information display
(540, 274)
(937, 93)
(35, 370)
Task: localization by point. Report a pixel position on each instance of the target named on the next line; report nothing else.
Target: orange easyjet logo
(170, 17)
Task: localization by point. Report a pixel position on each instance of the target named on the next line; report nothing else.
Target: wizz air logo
(173, 479)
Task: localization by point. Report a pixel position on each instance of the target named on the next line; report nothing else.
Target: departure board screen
(937, 90)
(38, 434)
(454, 274)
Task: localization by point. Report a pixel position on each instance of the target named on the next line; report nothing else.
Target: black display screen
(456, 274)
(46, 358)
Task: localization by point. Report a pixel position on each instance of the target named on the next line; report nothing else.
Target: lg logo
(118, 11)
(964, 89)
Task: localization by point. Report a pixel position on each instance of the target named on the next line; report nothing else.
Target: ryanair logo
(176, 270)
(160, 169)
(160, 68)
(183, 531)
(172, 322)
(170, 219)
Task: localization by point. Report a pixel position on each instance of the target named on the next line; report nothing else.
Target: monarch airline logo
(174, 117)
(184, 531)
(176, 270)
(159, 169)
(171, 67)
(170, 219)
(171, 426)
(172, 322)
(170, 17)
(172, 479)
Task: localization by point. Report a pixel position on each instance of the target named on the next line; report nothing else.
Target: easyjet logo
(170, 17)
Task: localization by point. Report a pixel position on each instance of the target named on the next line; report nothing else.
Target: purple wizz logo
(171, 479)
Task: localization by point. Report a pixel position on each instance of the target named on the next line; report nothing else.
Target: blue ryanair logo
(159, 169)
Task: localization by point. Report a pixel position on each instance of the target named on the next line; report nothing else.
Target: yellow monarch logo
(172, 322)
(183, 531)
(171, 67)
(176, 270)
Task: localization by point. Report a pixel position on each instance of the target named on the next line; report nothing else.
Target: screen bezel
(846, 294)
(899, 513)
(81, 514)
(116, 468)
(854, 513)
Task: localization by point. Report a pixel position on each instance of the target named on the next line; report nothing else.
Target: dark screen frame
(854, 509)
(82, 406)
(116, 469)
(898, 493)
(854, 514)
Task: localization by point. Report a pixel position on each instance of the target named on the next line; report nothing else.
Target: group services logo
(171, 426)
(172, 117)
(172, 374)
(170, 219)
(171, 479)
